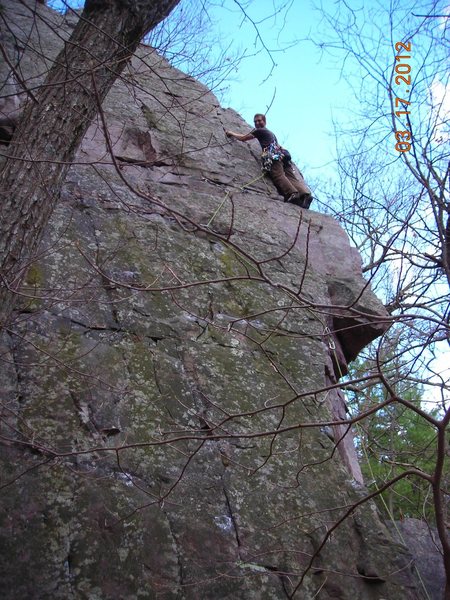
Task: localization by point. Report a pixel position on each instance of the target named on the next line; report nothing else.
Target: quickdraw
(271, 153)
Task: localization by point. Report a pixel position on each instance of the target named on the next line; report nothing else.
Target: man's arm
(242, 137)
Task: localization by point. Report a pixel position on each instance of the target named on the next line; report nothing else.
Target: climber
(277, 162)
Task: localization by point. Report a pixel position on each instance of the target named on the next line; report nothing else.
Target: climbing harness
(274, 152)
(269, 154)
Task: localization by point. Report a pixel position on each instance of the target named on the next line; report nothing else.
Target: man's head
(259, 120)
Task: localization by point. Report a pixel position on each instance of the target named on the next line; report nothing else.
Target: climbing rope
(242, 188)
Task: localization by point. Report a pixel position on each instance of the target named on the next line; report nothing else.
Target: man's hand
(242, 137)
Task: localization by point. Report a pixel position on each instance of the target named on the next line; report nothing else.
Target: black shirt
(264, 136)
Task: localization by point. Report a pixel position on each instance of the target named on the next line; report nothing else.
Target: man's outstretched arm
(242, 137)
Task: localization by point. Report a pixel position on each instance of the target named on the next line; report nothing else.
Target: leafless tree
(393, 196)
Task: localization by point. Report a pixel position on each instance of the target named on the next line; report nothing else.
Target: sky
(303, 87)
(291, 81)
(303, 90)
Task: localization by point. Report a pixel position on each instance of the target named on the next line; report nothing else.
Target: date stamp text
(403, 77)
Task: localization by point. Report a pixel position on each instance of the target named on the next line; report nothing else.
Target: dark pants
(286, 181)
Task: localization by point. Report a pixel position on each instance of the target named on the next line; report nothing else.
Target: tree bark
(446, 252)
(52, 127)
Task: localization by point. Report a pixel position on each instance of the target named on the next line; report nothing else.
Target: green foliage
(394, 439)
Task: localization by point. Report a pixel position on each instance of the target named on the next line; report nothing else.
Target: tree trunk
(52, 127)
(446, 253)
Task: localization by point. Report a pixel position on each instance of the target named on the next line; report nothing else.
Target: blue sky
(313, 88)
(305, 87)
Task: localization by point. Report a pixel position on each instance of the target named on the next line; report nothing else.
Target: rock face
(423, 543)
(169, 375)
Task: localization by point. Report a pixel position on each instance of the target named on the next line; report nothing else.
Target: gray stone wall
(171, 365)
